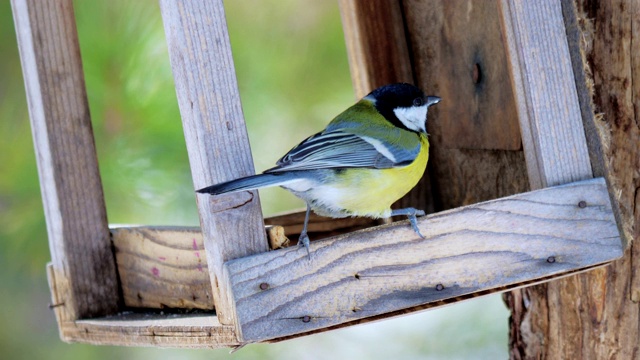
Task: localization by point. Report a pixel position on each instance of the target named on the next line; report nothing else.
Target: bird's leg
(410, 213)
(303, 240)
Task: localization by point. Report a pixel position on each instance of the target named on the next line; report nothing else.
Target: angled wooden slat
(548, 108)
(595, 315)
(215, 134)
(79, 240)
(490, 245)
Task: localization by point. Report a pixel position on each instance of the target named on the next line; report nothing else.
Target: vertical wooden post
(376, 42)
(82, 274)
(215, 134)
(553, 137)
(596, 315)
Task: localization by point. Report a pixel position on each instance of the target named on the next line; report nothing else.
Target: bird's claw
(414, 223)
(412, 215)
(303, 240)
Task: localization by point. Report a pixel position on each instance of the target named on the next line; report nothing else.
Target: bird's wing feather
(342, 149)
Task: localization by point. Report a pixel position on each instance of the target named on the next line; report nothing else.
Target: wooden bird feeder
(513, 118)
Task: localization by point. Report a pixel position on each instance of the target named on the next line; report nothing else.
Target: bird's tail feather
(248, 183)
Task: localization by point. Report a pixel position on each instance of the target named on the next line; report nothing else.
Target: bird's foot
(303, 240)
(412, 215)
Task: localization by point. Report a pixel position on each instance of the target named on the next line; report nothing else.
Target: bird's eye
(418, 102)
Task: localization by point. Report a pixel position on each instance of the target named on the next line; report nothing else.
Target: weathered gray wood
(596, 315)
(163, 267)
(548, 108)
(79, 241)
(144, 329)
(319, 226)
(169, 330)
(215, 134)
(589, 119)
(166, 267)
(372, 272)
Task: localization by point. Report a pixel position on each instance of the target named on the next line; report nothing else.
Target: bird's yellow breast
(370, 192)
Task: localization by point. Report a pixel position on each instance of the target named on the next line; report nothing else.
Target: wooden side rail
(503, 244)
(81, 255)
(215, 134)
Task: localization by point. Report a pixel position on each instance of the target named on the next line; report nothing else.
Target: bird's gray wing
(340, 149)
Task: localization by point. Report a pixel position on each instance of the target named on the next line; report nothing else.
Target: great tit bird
(368, 157)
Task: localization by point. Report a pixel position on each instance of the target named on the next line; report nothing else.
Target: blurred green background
(293, 76)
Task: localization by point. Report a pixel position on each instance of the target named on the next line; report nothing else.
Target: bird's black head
(404, 105)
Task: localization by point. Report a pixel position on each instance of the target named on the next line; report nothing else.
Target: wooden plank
(163, 267)
(160, 330)
(461, 176)
(319, 227)
(373, 272)
(72, 196)
(548, 108)
(197, 330)
(166, 267)
(215, 134)
(596, 315)
(445, 302)
(466, 64)
(194, 330)
(584, 89)
(376, 43)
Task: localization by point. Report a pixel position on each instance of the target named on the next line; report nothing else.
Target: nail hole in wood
(477, 73)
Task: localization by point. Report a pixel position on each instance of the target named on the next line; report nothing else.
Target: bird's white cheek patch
(413, 117)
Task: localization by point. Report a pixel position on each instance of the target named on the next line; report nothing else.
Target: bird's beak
(432, 100)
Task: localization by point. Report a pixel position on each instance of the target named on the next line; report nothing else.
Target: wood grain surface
(159, 330)
(387, 269)
(460, 175)
(376, 43)
(144, 328)
(548, 107)
(468, 67)
(166, 267)
(72, 195)
(596, 315)
(163, 268)
(215, 133)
